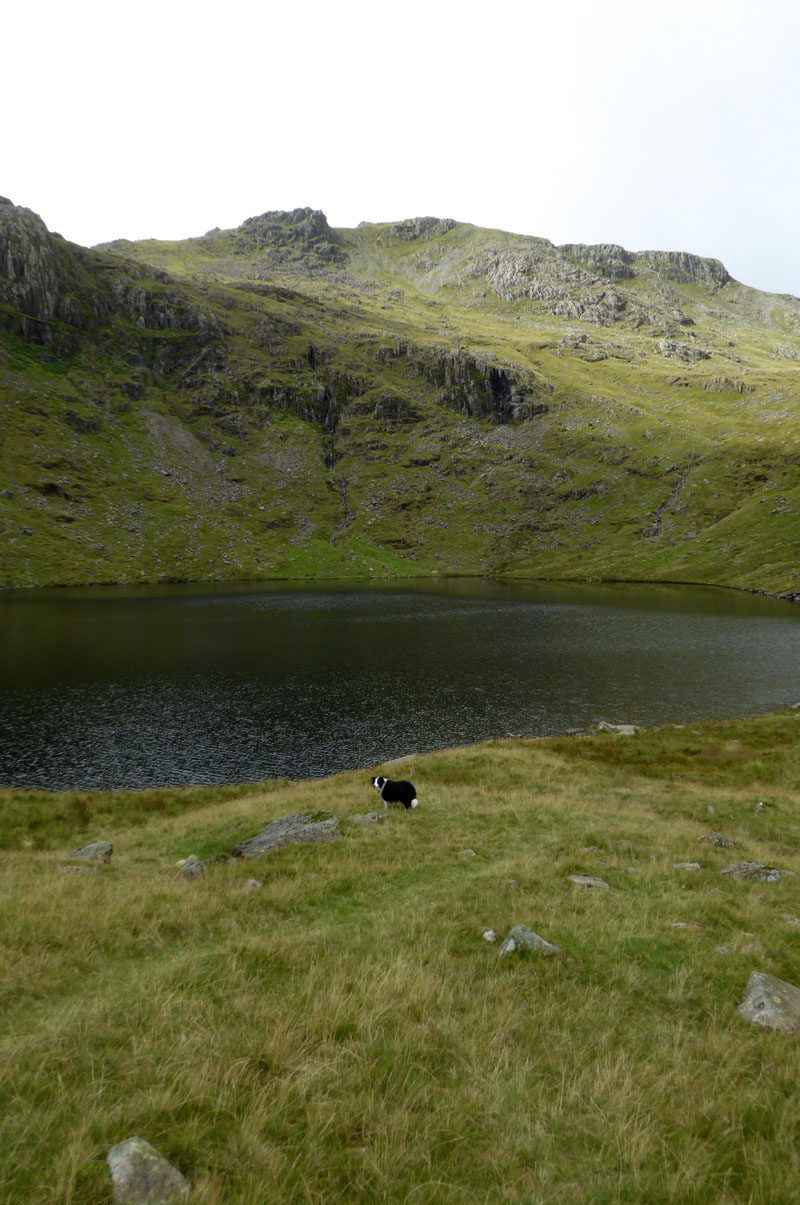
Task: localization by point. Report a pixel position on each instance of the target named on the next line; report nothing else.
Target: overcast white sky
(654, 125)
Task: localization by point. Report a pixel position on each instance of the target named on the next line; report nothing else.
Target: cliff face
(286, 399)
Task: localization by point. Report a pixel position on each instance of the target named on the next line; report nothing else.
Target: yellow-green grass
(345, 1033)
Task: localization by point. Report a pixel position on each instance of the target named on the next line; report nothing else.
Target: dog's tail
(414, 803)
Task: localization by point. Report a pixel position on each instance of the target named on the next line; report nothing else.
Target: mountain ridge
(288, 399)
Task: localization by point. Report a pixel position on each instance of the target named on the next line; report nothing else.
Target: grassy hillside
(288, 400)
(344, 1031)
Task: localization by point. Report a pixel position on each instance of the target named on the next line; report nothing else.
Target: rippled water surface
(203, 684)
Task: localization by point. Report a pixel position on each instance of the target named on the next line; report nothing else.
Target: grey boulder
(771, 1003)
(141, 1176)
(589, 881)
(98, 851)
(756, 870)
(287, 830)
(523, 938)
(192, 868)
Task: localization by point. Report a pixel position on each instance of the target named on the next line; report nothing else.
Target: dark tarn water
(141, 687)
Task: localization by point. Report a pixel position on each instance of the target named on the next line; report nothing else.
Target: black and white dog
(396, 792)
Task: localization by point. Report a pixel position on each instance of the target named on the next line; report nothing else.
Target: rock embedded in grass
(687, 866)
(589, 881)
(141, 1176)
(368, 818)
(756, 870)
(617, 729)
(523, 938)
(717, 839)
(249, 885)
(191, 869)
(289, 830)
(771, 1003)
(98, 851)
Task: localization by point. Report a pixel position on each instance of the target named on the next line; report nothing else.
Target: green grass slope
(344, 1032)
(288, 400)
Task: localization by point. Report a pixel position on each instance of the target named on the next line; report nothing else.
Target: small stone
(98, 851)
(141, 1176)
(717, 839)
(512, 883)
(489, 935)
(78, 869)
(470, 853)
(722, 949)
(587, 880)
(791, 920)
(368, 818)
(760, 806)
(249, 885)
(687, 866)
(191, 870)
(681, 924)
(523, 938)
(771, 1003)
(753, 948)
(617, 729)
(591, 849)
(632, 870)
(712, 811)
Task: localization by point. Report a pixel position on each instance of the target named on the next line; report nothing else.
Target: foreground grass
(344, 1033)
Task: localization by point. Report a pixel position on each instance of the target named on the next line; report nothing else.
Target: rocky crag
(289, 400)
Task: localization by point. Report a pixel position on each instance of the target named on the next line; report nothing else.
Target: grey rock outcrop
(523, 938)
(98, 851)
(602, 259)
(771, 1003)
(415, 228)
(721, 384)
(288, 830)
(140, 1176)
(685, 268)
(687, 352)
(474, 386)
(284, 235)
(756, 870)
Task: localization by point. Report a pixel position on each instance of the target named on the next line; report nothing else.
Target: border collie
(396, 792)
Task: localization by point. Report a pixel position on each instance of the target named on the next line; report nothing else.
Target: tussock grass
(344, 1033)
